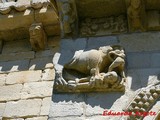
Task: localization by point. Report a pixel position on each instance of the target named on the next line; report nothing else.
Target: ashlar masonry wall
(26, 80)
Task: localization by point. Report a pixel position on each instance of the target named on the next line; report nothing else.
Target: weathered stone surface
(48, 13)
(38, 118)
(15, 119)
(139, 42)
(45, 53)
(97, 103)
(69, 118)
(73, 45)
(11, 92)
(37, 89)
(16, 56)
(41, 63)
(139, 60)
(1, 45)
(2, 107)
(96, 42)
(14, 65)
(23, 77)
(45, 106)
(66, 109)
(155, 58)
(66, 105)
(23, 108)
(16, 46)
(48, 74)
(54, 41)
(143, 77)
(2, 79)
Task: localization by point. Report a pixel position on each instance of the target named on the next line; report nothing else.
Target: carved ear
(115, 47)
(106, 49)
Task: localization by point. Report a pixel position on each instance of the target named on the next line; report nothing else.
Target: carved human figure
(68, 17)
(37, 36)
(136, 15)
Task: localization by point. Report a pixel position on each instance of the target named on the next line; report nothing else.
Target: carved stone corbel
(68, 17)
(136, 15)
(38, 38)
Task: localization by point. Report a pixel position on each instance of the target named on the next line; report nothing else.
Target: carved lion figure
(94, 62)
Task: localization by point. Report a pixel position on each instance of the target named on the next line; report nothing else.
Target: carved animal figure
(105, 59)
(37, 37)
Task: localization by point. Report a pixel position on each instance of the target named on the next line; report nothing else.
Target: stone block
(48, 74)
(15, 119)
(23, 77)
(45, 106)
(41, 63)
(11, 92)
(155, 58)
(2, 107)
(23, 108)
(17, 56)
(73, 45)
(11, 66)
(38, 118)
(66, 109)
(138, 60)
(64, 105)
(143, 77)
(97, 103)
(2, 79)
(16, 46)
(69, 118)
(139, 42)
(46, 53)
(37, 90)
(96, 42)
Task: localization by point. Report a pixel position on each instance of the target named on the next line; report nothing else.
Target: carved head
(37, 36)
(135, 3)
(66, 8)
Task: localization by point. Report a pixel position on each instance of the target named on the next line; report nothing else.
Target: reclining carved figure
(95, 62)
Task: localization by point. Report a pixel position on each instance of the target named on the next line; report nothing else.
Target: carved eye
(112, 55)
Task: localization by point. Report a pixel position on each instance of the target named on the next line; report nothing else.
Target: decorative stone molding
(143, 101)
(5, 8)
(38, 37)
(94, 70)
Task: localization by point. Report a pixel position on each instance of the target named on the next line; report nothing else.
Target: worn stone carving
(103, 26)
(37, 36)
(93, 70)
(136, 15)
(68, 16)
(143, 101)
(7, 6)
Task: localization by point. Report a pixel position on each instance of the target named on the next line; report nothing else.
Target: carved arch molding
(105, 17)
